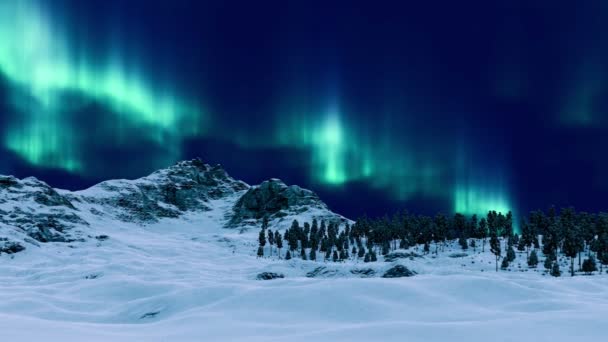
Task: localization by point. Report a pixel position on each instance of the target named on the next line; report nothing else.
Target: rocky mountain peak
(274, 199)
(32, 208)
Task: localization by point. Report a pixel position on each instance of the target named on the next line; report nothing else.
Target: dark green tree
(260, 251)
(589, 265)
(385, 248)
(505, 264)
(294, 235)
(335, 257)
(510, 254)
(495, 247)
(270, 240)
(313, 254)
(463, 243)
(533, 259)
(483, 233)
(555, 269)
(262, 238)
(571, 243)
(279, 240)
(373, 257)
(549, 261)
(361, 253)
(287, 255)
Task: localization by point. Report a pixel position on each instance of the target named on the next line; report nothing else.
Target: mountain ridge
(34, 212)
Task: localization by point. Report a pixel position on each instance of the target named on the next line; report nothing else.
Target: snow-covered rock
(45, 214)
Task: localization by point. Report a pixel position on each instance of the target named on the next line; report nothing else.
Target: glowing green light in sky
(472, 200)
(37, 57)
(54, 78)
(344, 151)
(478, 191)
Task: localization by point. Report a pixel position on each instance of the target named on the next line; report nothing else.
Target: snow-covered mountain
(32, 212)
(172, 257)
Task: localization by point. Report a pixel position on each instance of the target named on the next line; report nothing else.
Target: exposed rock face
(269, 276)
(185, 186)
(35, 211)
(38, 210)
(10, 247)
(401, 255)
(398, 271)
(275, 199)
(363, 272)
(13, 189)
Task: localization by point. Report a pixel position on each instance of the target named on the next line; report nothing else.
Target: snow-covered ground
(188, 279)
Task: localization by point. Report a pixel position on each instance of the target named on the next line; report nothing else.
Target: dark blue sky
(377, 106)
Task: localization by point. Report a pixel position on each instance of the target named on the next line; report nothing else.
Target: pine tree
(335, 256)
(572, 239)
(279, 240)
(287, 255)
(373, 257)
(294, 235)
(270, 240)
(361, 252)
(533, 259)
(463, 243)
(260, 251)
(555, 269)
(510, 254)
(385, 248)
(313, 254)
(505, 264)
(495, 247)
(262, 238)
(327, 254)
(303, 254)
(483, 233)
(549, 261)
(521, 246)
(367, 257)
(342, 255)
(589, 265)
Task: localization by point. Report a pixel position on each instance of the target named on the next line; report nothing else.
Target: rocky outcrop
(36, 209)
(269, 276)
(32, 208)
(363, 272)
(10, 247)
(398, 271)
(401, 255)
(13, 189)
(274, 199)
(185, 186)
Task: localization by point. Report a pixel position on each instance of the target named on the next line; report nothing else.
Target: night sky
(377, 106)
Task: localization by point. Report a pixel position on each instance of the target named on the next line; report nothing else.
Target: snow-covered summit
(31, 207)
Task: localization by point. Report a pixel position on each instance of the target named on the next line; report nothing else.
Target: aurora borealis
(434, 107)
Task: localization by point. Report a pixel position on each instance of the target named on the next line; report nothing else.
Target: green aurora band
(37, 58)
(41, 63)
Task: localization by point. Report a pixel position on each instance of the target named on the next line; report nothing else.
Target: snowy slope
(192, 277)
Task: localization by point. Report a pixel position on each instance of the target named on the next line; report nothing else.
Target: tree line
(567, 232)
